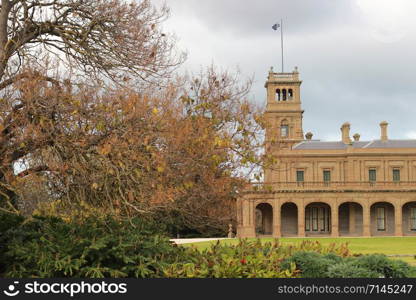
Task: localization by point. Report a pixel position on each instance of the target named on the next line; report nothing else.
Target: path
(186, 241)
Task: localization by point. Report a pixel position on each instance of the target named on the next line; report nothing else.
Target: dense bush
(248, 260)
(245, 260)
(50, 247)
(106, 247)
(384, 266)
(316, 265)
(349, 270)
(312, 264)
(7, 221)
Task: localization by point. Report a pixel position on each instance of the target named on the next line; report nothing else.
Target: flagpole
(281, 40)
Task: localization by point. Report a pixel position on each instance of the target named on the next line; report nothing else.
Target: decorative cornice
(329, 191)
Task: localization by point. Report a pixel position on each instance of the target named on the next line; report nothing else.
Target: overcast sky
(357, 58)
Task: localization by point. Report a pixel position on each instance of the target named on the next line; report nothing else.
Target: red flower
(243, 261)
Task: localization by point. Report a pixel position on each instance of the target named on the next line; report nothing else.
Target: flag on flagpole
(275, 26)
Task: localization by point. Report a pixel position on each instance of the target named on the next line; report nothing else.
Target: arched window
(284, 95)
(278, 94)
(290, 94)
(284, 129)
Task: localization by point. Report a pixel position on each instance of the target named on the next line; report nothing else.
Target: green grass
(385, 245)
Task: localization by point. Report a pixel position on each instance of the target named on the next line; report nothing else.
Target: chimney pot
(356, 137)
(345, 129)
(383, 127)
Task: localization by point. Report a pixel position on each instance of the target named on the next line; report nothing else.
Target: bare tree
(111, 37)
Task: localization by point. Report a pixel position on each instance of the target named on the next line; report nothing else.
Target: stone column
(334, 221)
(252, 219)
(246, 228)
(276, 220)
(351, 218)
(366, 221)
(301, 220)
(398, 220)
(239, 207)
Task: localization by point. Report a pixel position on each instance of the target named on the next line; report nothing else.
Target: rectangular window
(327, 176)
(381, 218)
(322, 216)
(307, 219)
(396, 175)
(372, 175)
(314, 218)
(284, 131)
(328, 219)
(300, 176)
(413, 218)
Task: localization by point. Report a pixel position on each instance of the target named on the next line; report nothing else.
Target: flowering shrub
(309, 259)
(247, 260)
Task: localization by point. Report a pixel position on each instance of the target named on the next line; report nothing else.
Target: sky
(356, 58)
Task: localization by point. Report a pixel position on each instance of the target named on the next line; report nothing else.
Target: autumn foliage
(180, 149)
(138, 142)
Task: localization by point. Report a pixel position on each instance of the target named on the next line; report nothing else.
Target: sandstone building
(320, 188)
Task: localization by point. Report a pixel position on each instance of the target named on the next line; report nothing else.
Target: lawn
(386, 245)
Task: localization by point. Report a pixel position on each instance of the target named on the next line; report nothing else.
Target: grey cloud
(348, 75)
(247, 18)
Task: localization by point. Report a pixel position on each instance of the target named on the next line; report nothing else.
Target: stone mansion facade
(320, 188)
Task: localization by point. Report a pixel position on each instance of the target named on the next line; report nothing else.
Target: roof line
(298, 144)
(369, 144)
(400, 140)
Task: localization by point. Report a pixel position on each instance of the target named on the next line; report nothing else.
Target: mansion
(348, 187)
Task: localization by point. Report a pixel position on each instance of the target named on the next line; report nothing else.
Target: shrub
(386, 267)
(7, 221)
(310, 264)
(349, 270)
(50, 247)
(250, 259)
(244, 260)
(106, 247)
(334, 257)
(316, 265)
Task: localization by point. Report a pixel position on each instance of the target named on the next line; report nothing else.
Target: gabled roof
(374, 144)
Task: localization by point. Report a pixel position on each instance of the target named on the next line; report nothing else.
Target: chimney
(308, 136)
(345, 129)
(356, 137)
(383, 127)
